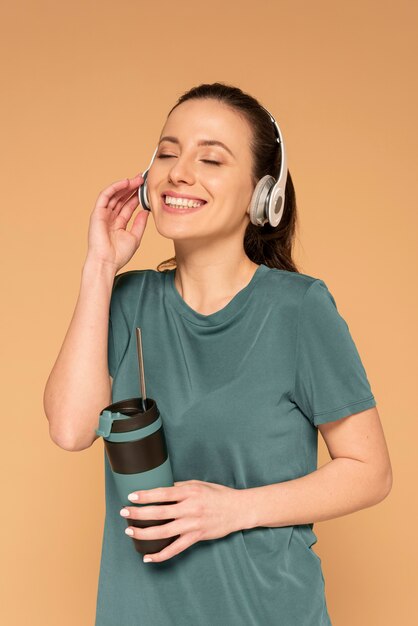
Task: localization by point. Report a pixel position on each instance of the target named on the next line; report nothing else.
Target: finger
(150, 512)
(125, 207)
(139, 223)
(105, 196)
(125, 192)
(159, 494)
(184, 542)
(117, 188)
(161, 531)
(121, 220)
(119, 198)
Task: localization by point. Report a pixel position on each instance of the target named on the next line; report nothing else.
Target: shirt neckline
(231, 309)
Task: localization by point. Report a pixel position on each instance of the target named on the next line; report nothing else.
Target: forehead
(208, 119)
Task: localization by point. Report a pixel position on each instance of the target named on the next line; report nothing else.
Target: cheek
(223, 185)
(232, 201)
(152, 177)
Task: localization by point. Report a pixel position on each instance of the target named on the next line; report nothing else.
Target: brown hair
(269, 245)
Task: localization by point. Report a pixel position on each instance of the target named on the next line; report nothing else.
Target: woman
(247, 359)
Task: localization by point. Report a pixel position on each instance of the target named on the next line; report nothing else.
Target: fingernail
(124, 512)
(146, 559)
(133, 496)
(129, 531)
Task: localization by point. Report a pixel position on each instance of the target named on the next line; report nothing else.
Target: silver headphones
(267, 201)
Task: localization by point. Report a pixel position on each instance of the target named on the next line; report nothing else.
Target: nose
(181, 171)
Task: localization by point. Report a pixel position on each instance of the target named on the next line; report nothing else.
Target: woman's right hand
(108, 239)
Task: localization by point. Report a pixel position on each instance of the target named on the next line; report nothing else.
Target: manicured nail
(133, 496)
(146, 559)
(124, 512)
(129, 531)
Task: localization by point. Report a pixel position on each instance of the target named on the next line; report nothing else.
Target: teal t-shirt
(241, 392)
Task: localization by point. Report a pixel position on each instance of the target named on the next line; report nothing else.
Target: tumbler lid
(106, 420)
(118, 421)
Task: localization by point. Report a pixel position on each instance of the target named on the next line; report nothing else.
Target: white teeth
(182, 202)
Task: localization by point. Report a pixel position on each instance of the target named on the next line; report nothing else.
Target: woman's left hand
(201, 511)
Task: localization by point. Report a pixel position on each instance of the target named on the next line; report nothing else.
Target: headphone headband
(279, 139)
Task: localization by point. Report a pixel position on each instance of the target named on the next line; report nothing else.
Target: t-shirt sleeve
(330, 380)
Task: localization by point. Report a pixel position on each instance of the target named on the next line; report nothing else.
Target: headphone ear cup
(143, 193)
(274, 210)
(259, 200)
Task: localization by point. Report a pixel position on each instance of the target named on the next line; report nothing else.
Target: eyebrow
(202, 142)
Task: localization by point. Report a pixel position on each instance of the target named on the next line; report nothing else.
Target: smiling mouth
(185, 203)
(179, 208)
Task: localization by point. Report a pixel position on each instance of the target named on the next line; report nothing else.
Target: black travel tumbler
(136, 447)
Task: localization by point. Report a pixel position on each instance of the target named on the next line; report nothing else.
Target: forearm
(78, 386)
(337, 488)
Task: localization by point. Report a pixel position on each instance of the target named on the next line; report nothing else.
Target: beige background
(86, 89)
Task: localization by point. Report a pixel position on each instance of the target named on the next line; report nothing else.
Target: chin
(182, 232)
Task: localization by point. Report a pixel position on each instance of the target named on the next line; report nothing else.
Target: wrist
(98, 268)
(245, 509)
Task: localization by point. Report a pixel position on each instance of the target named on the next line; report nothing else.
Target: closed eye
(168, 156)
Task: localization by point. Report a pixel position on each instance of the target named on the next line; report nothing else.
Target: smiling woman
(247, 358)
(256, 358)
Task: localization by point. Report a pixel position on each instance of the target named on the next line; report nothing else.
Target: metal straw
(141, 368)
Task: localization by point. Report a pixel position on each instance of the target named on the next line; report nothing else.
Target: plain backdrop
(86, 87)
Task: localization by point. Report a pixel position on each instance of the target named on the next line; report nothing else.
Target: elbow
(66, 442)
(385, 485)
(62, 443)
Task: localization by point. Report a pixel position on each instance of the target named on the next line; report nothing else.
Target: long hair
(269, 245)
